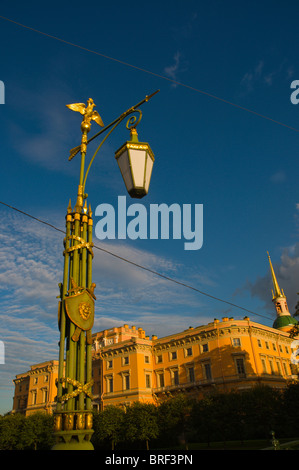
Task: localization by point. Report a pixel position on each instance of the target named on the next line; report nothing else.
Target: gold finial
(85, 207)
(88, 115)
(69, 208)
(277, 291)
(89, 211)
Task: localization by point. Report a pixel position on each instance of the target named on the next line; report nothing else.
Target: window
(264, 366)
(271, 366)
(240, 366)
(147, 380)
(274, 346)
(146, 359)
(205, 347)
(175, 377)
(125, 360)
(173, 355)
(34, 395)
(45, 395)
(46, 378)
(126, 382)
(189, 352)
(109, 364)
(159, 358)
(236, 342)
(259, 343)
(35, 380)
(279, 368)
(110, 384)
(267, 344)
(191, 374)
(207, 371)
(285, 369)
(160, 379)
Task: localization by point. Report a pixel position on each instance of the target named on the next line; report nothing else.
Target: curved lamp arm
(130, 123)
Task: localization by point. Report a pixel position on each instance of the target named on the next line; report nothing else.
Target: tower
(284, 321)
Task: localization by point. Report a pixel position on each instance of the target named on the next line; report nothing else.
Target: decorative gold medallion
(85, 310)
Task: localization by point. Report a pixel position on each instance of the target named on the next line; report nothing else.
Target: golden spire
(277, 291)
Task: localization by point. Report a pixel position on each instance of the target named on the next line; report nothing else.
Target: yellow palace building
(129, 366)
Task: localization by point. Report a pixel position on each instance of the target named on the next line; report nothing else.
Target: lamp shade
(135, 160)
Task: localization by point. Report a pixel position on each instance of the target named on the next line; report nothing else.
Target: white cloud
(278, 177)
(172, 71)
(249, 79)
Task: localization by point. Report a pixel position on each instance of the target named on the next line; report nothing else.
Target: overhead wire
(151, 73)
(133, 263)
(174, 82)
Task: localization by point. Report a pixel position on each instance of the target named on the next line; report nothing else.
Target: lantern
(135, 160)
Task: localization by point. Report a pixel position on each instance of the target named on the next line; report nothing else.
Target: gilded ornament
(89, 421)
(88, 115)
(80, 420)
(57, 422)
(85, 310)
(68, 421)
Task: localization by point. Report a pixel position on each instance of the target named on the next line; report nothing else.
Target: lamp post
(73, 414)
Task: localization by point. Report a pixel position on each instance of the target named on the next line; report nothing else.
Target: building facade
(129, 366)
(35, 390)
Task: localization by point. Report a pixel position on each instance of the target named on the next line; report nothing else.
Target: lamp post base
(74, 440)
(72, 430)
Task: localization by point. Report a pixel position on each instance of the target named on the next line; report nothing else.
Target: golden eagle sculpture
(89, 114)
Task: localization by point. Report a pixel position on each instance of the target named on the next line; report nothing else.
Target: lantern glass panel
(148, 172)
(124, 166)
(137, 160)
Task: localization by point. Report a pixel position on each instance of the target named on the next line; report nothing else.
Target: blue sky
(242, 167)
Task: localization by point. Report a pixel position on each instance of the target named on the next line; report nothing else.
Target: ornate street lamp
(73, 415)
(135, 160)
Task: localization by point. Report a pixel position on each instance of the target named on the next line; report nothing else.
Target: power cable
(156, 273)
(151, 73)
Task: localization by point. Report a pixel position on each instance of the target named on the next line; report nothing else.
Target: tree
(262, 405)
(108, 425)
(205, 420)
(140, 423)
(37, 432)
(18, 432)
(174, 418)
(11, 427)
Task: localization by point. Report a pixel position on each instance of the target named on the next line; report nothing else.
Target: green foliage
(10, 430)
(20, 433)
(174, 418)
(141, 423)
(223, 417)
(108, 426)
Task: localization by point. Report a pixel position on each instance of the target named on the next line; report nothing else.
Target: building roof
(284, 321)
